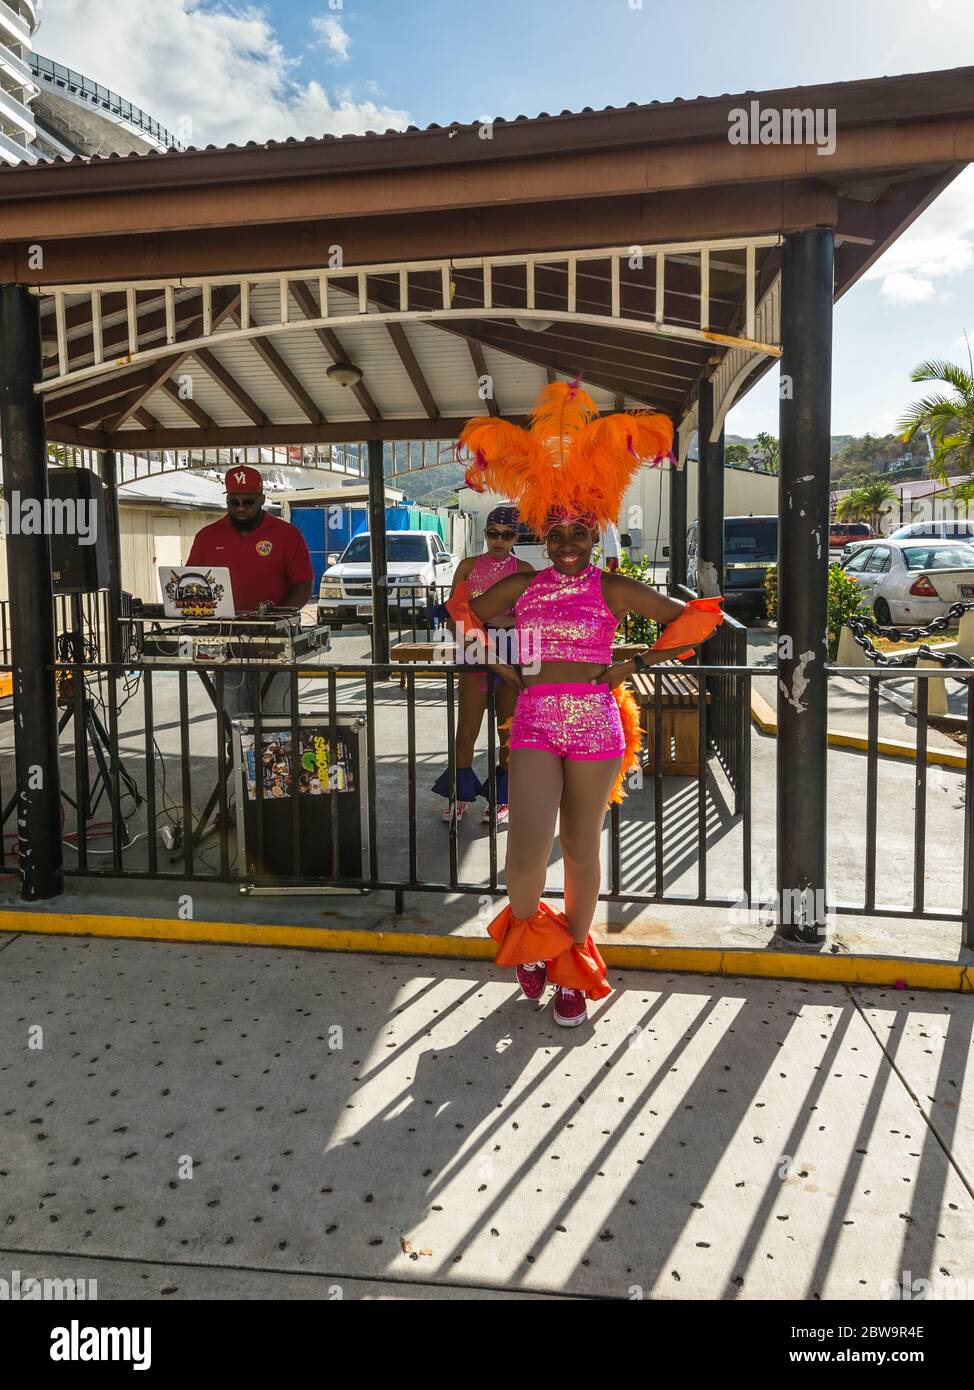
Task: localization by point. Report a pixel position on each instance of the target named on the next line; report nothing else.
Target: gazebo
(389, 286)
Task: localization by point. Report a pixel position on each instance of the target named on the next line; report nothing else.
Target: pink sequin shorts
(571, 721)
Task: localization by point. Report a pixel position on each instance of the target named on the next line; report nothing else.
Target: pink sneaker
(503, 815)
(532, 979)
(456, 810)
(571, 1007)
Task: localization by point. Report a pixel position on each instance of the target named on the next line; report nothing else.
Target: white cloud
(903, 287)
(938, 247)
(213, 72)
(333, 36)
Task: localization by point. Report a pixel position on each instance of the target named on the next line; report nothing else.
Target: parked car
(418, 565)
(841, 533)
(750, 546)
(912, 581)
(921, 530)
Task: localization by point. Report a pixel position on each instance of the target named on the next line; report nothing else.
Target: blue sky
(227, 70)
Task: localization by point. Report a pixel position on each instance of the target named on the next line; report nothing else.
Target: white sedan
(909, 582)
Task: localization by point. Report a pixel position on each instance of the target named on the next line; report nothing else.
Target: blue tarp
(328, 528)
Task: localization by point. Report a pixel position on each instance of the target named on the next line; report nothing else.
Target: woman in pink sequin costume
(479, 574)
(567, 747)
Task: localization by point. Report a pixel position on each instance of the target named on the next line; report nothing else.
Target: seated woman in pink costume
(478, 574)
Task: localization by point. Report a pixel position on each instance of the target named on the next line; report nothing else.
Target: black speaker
(79, 537)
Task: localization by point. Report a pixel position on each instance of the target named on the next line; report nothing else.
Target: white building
(47, 109)
(18, 132)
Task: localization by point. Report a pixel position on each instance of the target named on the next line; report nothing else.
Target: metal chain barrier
(860, 626)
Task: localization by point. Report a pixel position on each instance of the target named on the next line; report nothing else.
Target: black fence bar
(872, 783)
(968, 896)
(492, 778)
(118, 824)
(920, 806)
(370, 747)
(224, 758)
(295, 770)
(748, 892)
(334, 769)
(702, 788)
(451, 734)
(81, 787)
(411, 772)
(188, 825)
(148, 714)
(659, 884)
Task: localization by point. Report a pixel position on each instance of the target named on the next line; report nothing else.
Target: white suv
(420, 571)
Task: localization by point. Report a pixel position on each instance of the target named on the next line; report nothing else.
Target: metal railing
(728, 718)
(650, 843)
(95, 623)
(673, 839)
(81, 86)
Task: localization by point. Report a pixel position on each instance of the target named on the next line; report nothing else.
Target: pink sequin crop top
(567, 617)
(486, 571)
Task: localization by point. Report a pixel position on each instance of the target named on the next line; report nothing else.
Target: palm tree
(949, 419)
(865, 503)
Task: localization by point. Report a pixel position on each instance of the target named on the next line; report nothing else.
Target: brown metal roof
(912, 97)
(650, 174)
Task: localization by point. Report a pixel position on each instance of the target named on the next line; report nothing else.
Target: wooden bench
(680, 753)
(422, 653)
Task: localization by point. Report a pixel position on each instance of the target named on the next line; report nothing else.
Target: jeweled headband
(561, 516)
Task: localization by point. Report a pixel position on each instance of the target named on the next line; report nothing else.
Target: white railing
(18, 28)
(17, 68)
(12, 153)
(424, 291)
(15, 110)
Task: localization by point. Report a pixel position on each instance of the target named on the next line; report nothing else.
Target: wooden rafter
(167, 365)
(230, 385)
(480, 367)
(273, 359)
(413, 370)
(187, 405)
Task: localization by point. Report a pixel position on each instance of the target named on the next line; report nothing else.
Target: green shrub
(641, 630)
(846, 600)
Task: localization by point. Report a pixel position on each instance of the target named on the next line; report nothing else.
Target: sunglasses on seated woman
(493, 534)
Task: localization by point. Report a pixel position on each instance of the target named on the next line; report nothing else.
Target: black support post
(678, 527)
(803, 528)
(377, 531)
(31, 600)
(107, 467)
(710, 497)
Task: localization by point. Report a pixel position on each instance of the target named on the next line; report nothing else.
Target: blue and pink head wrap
(503, 516)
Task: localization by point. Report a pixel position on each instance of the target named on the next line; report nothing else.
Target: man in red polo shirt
(267, 558)
(268, 561)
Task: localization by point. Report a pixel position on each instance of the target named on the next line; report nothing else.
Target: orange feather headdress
(569, 461)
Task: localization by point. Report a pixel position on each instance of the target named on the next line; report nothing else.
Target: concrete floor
(218, 1121)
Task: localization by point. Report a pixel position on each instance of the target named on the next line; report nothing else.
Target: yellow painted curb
(766, 719)
(695, 960)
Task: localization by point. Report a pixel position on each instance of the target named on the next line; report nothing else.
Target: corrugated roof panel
(447, 366)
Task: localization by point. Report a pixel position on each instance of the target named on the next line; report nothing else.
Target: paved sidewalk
(699, 1138)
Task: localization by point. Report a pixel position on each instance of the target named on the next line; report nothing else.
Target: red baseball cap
(241, 478)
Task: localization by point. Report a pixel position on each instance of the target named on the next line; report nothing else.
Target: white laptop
(192, 592)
